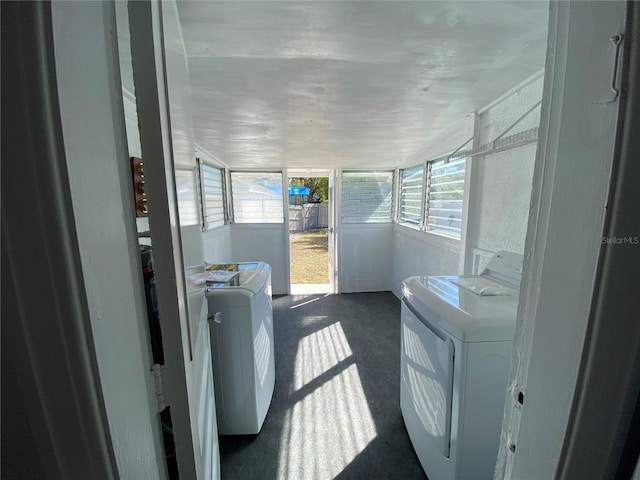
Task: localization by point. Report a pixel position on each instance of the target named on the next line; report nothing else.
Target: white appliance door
(427, 371)
(264, 351)
(161, 84)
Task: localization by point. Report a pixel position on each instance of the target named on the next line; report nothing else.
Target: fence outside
(308, 216)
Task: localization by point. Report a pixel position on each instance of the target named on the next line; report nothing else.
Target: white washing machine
(457, 333)
(242, 351)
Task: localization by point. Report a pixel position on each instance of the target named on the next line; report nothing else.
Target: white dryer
(457, 334)
(242, 349)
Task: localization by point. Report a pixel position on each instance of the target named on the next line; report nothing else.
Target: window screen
(367, 197)
(212, 181)
(257, 197)
(410, 201)
(444, 197)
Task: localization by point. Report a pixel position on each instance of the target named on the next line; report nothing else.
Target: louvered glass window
(187, 195)
(212, 184)
(367, 197)
(445, 197)
(410, 201)
(257, 197)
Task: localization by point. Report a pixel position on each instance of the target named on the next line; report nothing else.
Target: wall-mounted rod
(452, 155)
(520, 118)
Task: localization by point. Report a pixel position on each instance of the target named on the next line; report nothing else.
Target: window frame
(188, 215)
(423, 187)
(428, 187)
(427, 196)
(201, 185)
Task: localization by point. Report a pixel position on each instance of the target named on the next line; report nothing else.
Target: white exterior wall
(500, 185)
(102, 198)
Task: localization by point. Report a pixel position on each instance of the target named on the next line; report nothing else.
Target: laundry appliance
(456, 341)
(242, 349)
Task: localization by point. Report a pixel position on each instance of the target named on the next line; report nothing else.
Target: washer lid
(250, 276)
(465, 315)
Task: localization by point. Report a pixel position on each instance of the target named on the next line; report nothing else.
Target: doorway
(310, 232)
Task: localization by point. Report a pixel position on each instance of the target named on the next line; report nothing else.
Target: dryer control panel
(505, 267)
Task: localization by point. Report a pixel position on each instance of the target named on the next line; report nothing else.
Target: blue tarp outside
(298, 190)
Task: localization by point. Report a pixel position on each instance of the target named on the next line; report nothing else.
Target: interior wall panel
(263, 243)
(365, 257)
(417, 253)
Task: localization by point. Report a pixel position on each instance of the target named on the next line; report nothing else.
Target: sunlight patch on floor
(298, 305)
(319, 352)
(331, 424)
(308, 320)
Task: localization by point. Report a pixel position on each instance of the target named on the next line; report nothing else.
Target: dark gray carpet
(335, 412)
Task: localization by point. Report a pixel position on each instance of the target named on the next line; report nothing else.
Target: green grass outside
(309, 257)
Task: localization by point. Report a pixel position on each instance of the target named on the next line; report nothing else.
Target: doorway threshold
(310, 288)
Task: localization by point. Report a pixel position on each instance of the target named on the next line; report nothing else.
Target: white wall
(130, 109)
(133, 136)
(365, 260)
(500, 185)
(451, 139)
(131, 118)
(217, 245)
(192, 241)
(102, 197)
(420, 253)
(262, 243)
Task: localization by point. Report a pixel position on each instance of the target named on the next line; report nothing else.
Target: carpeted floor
(335, 412)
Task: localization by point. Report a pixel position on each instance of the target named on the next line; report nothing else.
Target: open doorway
(310, 232)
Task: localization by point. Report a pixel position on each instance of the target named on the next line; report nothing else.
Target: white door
(162, 96)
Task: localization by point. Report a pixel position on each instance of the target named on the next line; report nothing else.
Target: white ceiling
(349, 83)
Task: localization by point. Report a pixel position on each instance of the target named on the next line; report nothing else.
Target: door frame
(159, 59)
(612, 345)
(329, 173)
(572, 341)
(66, 432)
(334, 231)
